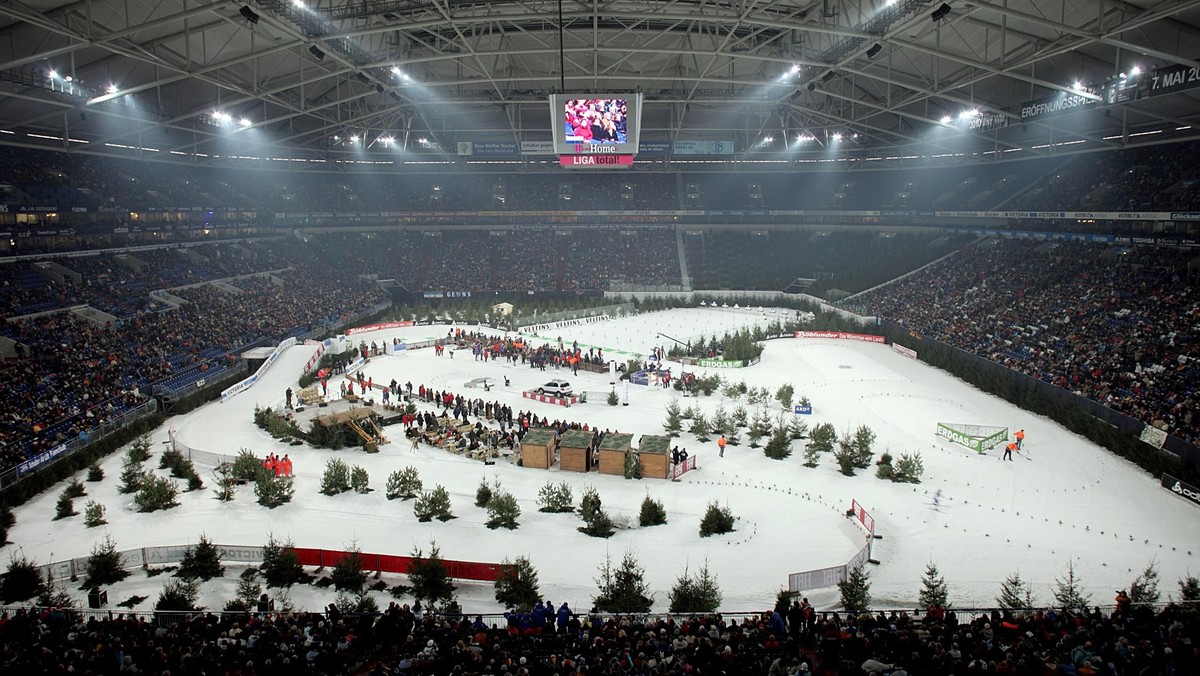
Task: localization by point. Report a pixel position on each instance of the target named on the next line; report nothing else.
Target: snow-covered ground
(1068, 500)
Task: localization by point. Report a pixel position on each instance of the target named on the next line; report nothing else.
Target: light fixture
(1135, 71)
(940, 13)
(222, 117)
(946, 119)
(811, 86)
(837, 136)
(396, 71)
(248, 14)
(53, 75)
(316, 52)
(875, 49)
(968, 114)
(245, 122)
(112, 89)
(1078, 86)
(68, 79)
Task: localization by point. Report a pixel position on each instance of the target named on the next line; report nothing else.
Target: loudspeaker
(875, 49)
(248, 14)
(940, 13)
(316, 51)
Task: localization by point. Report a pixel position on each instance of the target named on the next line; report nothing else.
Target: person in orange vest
(1123, 602)
(1008, 450)
(1020, 437)
(287, 465)
(721, 445)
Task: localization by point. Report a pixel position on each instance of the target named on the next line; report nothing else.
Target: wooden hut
(537, 448)
(654, 452)
(573, 450)
(612, 452)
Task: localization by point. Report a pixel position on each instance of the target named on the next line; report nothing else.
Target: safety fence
(619, 310)
(169, 554)
(833, 575)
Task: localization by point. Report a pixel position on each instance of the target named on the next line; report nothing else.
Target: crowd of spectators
(794, 640)
(1115, 325)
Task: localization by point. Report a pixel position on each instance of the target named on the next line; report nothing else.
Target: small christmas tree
(622, 589)
(797, 428)
(428, 576)
(23, 580)
(348, 573)
(178, 595)
(336, 478)
(7, 521)
(779, 447)
(721, 422)
(1068, 591)
(132, 476)
(674, 422)
(280, 565)
(1189, 588)
(845, 455)
(784, 396)
(156, 493)
(226, 484)
(105, 566)
(65, 507)
(503, 511)
(933, 588)
(822, 438)
(435, 503)
(483, 494)
(517, 585)
(273, 490)
(633, 465)
(1015, 593)
(613, 399)
(717, 520)
(695, 594)
(699, 427)
(360, 481)
(856, 591)
(556, 499)
(201, 561)
(93, 514)
(75, 489)
(247, 466)
(139, 450)
(862, 443)
(1144, 588)
(652, 513)
(404, 483)
(95, 473)
(909, 468)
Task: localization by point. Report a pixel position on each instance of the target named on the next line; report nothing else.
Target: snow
(1066, 500)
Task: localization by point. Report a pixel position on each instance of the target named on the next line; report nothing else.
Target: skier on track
(937, 500)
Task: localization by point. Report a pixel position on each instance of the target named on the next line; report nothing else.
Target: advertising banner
(802, 410)
(537, 147)
(595, 161)
(720, 363)
(702, 148)
(1063, 102)
(40, 459)
(1174, 79)
(907, 352)
(840, 335)
(379, 327)
(489, 148)
(1186, 491)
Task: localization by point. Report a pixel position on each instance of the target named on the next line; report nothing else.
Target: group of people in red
(280, 466)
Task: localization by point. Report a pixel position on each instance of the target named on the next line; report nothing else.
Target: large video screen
(586, 124)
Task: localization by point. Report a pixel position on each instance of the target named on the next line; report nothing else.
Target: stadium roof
(306, 79)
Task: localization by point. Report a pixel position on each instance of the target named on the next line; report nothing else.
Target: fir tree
(797, 428)
(95, 473)
(1144, 588)
(280, 565)
(178, 595)
(596, 522)
(22, 581)
(845, 455)
(247, 466)
(855, 591)
(633, 465)
(822, 438)
(1189, 588)
(7, 521)
(1015, 593)
(1068, 591)
(739, 417)
(556, 499)
(431, 504)
(155, 494)
(517, 585)
(622, 589)
(132, 476)
(652, 513)
(613, 399)
(75, 489)
(202, 561)
(503, 511)
(428, 576)
(695, 594)
(909, 468)
(93, 514)
(483, 494)
(699, 427)
(248, 589)
(933, 588)
(171, 459)
(65, 507)
(105, 566)
(404, 483)
(336, 478)
(884, 469)
(812, 455)
(721, 423)
(139, 450)
(273, 490)
(717, 520)
(674, 421)
(784, 396)
(360, 481)
(779, 447)
(864, 440)
(348, 573)
(225, 481)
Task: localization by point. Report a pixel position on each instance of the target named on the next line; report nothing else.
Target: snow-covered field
(1069, 501)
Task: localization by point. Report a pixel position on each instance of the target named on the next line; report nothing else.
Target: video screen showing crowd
(596, 121)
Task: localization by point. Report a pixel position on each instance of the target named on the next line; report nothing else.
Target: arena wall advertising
(841, 335)
(1186, 491)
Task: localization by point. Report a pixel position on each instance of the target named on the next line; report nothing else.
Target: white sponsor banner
(245, 384)
(537, 148)
(907, 352)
